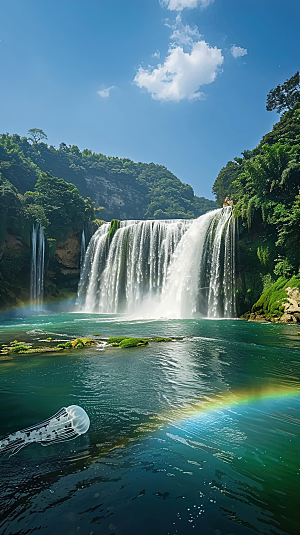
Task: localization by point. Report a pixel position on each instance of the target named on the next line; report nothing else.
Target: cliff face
(61, 271)
(120, 199)
(15, 271)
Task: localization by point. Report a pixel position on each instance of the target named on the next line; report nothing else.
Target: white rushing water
(37, 266)
(172, 268)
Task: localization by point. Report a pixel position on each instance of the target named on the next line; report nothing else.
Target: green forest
(264, 184)
(122, 188)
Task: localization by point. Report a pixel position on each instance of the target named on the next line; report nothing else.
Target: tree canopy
(61, 203)
(265, 187)
(36, 135)
(284, 96)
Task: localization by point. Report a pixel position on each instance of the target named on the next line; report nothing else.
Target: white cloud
(238, 51)
(104, 93)
(156, 54)
(179, 5)
(183, 34)
(182, 73)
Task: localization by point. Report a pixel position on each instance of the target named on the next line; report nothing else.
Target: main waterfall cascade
(172, 268)
(37, 266)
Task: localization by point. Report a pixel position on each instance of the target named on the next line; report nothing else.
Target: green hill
(126, 190)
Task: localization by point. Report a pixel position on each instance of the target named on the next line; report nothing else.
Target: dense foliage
(265, 187)
(107, 180)
(58, 205)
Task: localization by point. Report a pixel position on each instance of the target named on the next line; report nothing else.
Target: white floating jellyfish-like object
(68, 423)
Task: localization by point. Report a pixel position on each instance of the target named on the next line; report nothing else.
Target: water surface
(194, 436)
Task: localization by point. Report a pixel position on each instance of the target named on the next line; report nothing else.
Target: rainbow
(221, 401)
(227, 400)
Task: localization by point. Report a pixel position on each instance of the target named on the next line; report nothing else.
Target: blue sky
(182, 83)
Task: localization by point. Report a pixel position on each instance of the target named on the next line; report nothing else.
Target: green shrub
(133, 342)
(68, 344)
(61, 346)
(79, 344)
(19, 347)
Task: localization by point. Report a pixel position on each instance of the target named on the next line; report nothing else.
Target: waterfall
(37, 266)
(172, 268)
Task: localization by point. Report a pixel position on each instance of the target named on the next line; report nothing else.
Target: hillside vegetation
(264, 185)
(126, 190)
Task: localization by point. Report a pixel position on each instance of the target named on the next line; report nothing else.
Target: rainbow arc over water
(228, 400)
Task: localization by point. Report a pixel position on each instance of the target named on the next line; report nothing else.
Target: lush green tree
(222, 187)
(284, 96)
(268, 179)
(62, 205)
(286, 131)
(36, 135)
(266, 195)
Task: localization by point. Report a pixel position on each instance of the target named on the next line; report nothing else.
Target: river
(199, 435)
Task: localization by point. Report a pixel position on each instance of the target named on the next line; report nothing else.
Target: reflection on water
(189, 436)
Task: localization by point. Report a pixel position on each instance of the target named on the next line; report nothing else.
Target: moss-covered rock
(115, 339)
(280, 302)
(133, 342)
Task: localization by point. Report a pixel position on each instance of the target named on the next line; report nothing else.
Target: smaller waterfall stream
(37, 266)
(172, 268)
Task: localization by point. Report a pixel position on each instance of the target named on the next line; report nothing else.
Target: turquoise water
(195, 436)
